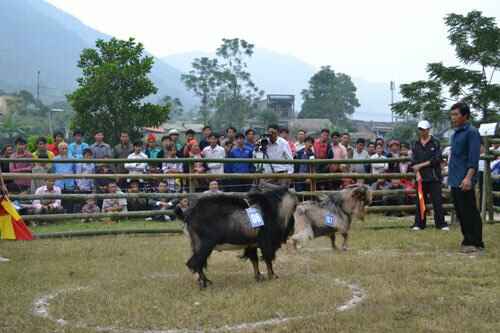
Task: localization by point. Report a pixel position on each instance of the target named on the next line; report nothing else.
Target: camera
(261, 144)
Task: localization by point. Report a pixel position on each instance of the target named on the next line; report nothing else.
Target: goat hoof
(345, 248)
(259, 278)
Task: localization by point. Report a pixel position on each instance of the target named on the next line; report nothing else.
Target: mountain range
(37, 36)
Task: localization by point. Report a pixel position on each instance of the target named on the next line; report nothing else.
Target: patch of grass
(415, 282)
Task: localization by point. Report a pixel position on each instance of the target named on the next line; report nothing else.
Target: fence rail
(246, 176)
(84, 196)
(216, 160)
(149, 213)
(54, 217)
(203, 160)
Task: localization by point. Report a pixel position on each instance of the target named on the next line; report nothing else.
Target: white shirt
(280, 150)
(215, 152)
(359, 168)
(52, 203)
(171, 167)
(136, 168)
(378, 167)
(117, 202)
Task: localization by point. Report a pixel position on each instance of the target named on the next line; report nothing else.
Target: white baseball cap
(173, 131)
(424, 124)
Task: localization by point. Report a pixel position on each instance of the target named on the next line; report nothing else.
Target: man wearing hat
(174, 136)
(152, 149)
(426, 162)
(394, 150)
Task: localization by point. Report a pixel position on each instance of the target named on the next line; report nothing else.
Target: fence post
(484, 190)
(487, 213)
(191, 188)
(312, 180)
(488, 193)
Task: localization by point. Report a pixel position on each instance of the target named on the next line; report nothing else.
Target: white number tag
(255, 217)
(330, 220)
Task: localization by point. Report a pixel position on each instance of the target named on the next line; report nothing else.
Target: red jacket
(321, 149)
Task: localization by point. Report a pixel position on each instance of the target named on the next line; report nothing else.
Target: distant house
(179, 126)
(282, 106)
(157, 131)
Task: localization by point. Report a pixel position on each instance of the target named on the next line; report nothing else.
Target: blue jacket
(237, 152)
(249, 145)
(303, 154)
(68, 184)
(465, 150)
(75, 151)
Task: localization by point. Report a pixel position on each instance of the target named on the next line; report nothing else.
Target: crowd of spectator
(277, 144)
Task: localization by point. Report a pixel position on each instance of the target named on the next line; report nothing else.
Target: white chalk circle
(41, 308)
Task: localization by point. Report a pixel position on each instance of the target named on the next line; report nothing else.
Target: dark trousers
(468, 216)
(432, 189)
(68, 204)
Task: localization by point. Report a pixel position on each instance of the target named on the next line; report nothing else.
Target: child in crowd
(90, 207)
(173, 184)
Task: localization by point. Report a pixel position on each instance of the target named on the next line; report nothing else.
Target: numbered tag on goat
(255, 217)
(330, 220)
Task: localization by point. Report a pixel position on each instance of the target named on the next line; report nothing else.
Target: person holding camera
(274, 147)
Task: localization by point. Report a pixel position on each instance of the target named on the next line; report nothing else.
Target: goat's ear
(360, 193)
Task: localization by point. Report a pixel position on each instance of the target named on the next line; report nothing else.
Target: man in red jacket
(322, 150)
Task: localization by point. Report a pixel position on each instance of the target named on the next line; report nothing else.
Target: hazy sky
(375, 40)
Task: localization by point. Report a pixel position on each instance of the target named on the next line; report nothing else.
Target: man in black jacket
(426, 162)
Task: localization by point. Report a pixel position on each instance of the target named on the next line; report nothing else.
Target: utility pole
(392, 99)
(38, 85)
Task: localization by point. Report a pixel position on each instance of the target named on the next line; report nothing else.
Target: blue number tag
(254, 217)
(330, 220)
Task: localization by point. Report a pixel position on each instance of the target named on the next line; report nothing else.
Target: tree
(224, 84)
(422, 99)
(267, 116)
(476, 40)
(238, 95)
(330, 95)
(203, 81)
(404, 132)
(111, 92)
(175, 106)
